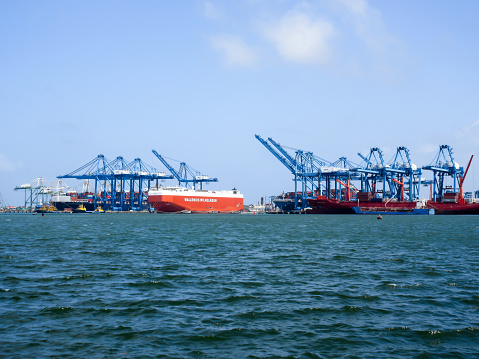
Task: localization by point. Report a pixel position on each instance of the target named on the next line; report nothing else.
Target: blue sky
(196, 80)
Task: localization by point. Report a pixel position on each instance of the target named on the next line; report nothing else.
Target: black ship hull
(73, 205)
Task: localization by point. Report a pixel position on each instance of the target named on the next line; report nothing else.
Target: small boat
(99, 210)
(46, 209)
(80, 209)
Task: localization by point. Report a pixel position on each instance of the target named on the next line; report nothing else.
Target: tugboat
(99, 210)
(46, 209)
(80, 209)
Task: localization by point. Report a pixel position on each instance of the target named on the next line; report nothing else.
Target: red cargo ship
(454, 208)
(324, 205)
(454, 203)
(180, 199)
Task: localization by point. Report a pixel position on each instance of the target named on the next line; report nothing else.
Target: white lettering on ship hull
(200, 200)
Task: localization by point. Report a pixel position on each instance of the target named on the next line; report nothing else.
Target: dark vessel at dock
(71, 201)
(286, 202)
(364, 203)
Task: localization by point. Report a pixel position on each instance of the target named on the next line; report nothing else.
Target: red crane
(461, 181)
(402, 187)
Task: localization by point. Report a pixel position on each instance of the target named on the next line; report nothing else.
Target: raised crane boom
(461, 182)
(288, 157)
(287, 161)
(167, 165)
(182, 175)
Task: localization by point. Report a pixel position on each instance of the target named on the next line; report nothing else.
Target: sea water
(238, 286)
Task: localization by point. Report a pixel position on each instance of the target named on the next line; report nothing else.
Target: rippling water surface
(238, 286)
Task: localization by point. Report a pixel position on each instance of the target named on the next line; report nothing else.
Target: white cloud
(300, 38)
(358, 7)
(473, 126)
(368, 24)
(210, 11)
(5, 164)
(235, 52)
(469, 134)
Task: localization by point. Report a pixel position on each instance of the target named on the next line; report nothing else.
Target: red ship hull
(323, 205)
(180, 200)
(454, 208)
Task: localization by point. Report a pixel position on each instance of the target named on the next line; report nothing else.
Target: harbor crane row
(116, 182)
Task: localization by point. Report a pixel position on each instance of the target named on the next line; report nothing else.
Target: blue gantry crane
(341, 173)
(443, 165)
(373, 179)
(305, 167)
(120, 179)
(291, 163)
(405, 176)
(186, 174)
(390, 180)
(116, 182)
(306, 171)
(372, 172)
(315, 175)
(98, 169)
(142, 176)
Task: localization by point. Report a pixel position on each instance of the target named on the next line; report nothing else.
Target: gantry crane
(142, 175)
(304, 166)
(289, 162)
(343, 172)
(116, 180)
(443, 165)
(405, 175)
(185, 173)
(37, 192)
(373, 172)
(398, 178)
(306, 171)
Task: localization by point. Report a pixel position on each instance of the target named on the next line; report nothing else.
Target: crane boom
(461, 182)
(467, 169)
(282, 150)
(284, 160)
(167, 165)
(182, 174)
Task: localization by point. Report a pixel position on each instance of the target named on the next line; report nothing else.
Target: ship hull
(178, 199)
(454, 208)
(286, 204)
(333, 206)
(72, 205)
(415, 211)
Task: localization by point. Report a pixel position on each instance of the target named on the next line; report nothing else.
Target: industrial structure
(185, 174)
(305, 168)
(119, 185)
(115, 185)
(343, 180)
(37, 192)
(442, 166)
(399, 179)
